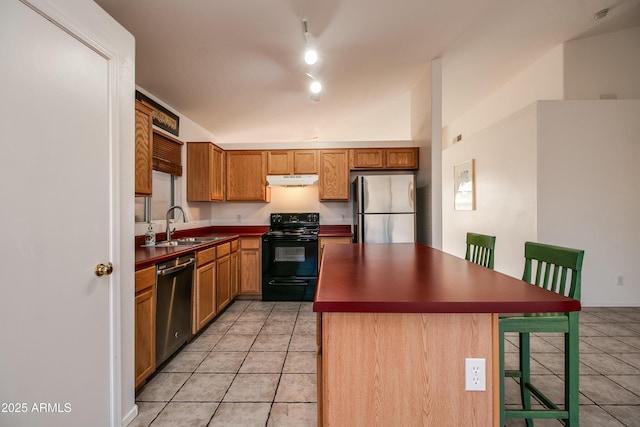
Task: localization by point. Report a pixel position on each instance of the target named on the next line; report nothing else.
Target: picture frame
(162, 117)
(464, 186)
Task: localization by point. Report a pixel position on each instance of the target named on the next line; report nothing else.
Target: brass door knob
(102, 269)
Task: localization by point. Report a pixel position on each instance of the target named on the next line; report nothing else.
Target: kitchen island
(395, 324)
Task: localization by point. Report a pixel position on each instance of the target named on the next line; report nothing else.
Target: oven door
(289, 257)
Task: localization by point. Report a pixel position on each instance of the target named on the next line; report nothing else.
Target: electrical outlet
(475, 374)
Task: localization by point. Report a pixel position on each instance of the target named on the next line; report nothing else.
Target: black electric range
(290, 257)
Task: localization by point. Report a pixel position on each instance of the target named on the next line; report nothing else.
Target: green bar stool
(550, 267)
(480, 248)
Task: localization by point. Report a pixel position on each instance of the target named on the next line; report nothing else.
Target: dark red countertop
(147, 256)
(335, 231)
(414, 278)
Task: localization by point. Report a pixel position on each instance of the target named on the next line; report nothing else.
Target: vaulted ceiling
(235, 67)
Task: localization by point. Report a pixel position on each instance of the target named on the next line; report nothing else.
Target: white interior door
(56, 225)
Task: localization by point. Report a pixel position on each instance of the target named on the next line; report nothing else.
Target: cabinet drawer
(234, 245)
(206, 255)
(223, 249)
(145, 278)
(250, 243)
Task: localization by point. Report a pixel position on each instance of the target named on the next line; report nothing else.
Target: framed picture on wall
(464, 186)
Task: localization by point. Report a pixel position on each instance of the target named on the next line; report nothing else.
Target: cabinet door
(366, 158)
(217, 175)
(223, 288)
(401, 158)
(250, 274)
(205, 296)
(279, 162)
(223, 276)
(305, 162)
(205, 172)
(235, 269)
(145, 324)
(144, 150)
(334, 175)
(246, 176)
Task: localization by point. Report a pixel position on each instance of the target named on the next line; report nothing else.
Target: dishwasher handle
(177, 268)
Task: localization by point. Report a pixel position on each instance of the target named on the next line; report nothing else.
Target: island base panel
(381, 369)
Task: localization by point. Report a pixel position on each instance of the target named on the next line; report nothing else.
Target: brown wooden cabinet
(145, 324)
(334, 175)
(366, 158)
(280, 162)
(235, 269)
(223, 272)
(305, 162)
(401, 158)
(205, 172)
(250, 264)
(292, 162)
(143, 150)
(383, 158)
(246, 173)
(204, 301)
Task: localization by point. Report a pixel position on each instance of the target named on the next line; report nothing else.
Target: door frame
(91, 25)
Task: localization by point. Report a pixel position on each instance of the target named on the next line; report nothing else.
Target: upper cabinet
(205, 172)
(383, 158)
(366, 158)
(305, 162)
(334, 175)
(292, 162)
(401, 158)
(246, 173)
(143, 150)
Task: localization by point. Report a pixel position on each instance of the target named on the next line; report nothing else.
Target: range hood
(297, 180)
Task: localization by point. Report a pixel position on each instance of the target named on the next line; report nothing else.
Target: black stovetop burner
(294, 224)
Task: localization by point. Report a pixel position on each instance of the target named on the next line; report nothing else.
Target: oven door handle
(287, 282)
(177, 268)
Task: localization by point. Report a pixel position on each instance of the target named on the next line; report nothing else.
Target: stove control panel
(295, 218)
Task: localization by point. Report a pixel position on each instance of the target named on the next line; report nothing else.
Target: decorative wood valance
(167, 154)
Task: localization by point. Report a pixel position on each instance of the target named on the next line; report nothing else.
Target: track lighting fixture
(310, 54)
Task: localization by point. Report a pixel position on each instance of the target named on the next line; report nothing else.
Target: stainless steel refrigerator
(385, 208)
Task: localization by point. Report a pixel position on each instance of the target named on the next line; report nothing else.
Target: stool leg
(525, 371)
(502, 377)
(572, 370)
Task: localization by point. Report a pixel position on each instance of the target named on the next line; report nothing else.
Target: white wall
(593, 68)
(543, 79)
(505, 179)
(588, 192)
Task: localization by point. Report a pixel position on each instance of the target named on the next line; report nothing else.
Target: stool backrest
(480, 248)
(548, 267)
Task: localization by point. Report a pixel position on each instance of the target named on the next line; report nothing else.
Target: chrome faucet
(169, 232)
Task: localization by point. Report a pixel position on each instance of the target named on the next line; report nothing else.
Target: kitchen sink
(183, 241)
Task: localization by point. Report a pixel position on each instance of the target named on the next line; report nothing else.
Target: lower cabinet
(204, 301)
(250, 273)
(223, 279)
(235, 269)
(145, 324)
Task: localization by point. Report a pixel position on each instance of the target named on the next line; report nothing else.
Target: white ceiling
(235, 66)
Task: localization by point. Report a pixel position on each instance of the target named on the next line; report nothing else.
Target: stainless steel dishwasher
(173, 305)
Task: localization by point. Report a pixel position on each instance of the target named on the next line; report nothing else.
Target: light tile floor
(255, 365)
